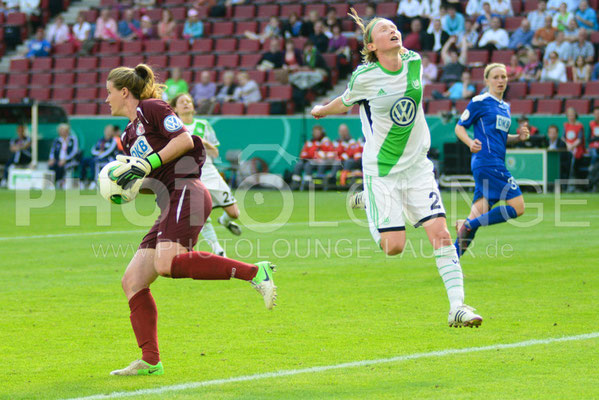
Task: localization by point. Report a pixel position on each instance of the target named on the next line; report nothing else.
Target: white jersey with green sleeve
(393, 124)
(202, 128)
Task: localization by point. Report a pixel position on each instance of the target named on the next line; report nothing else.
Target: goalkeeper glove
(134, 168)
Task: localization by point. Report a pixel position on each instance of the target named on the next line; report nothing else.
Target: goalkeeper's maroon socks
(144, 318)
(207, 266)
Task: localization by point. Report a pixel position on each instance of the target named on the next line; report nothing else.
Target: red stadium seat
(179, 46)
(549, 106)
(232, 108)
(64, 79)
(228, 61)
(19, 64)
(86, 109)
(530, 5)
(110, 47)
(2, 79)
(272, 77)
(16, 95)
(569, 89)
(540, 90)
(433, 56)
(132, 61)
(502, 56)
(40, 93)
(288, 9)
(428, 89)
(110, 62)
(87, 79)
(225, 45)
(279, 92)
(204, 61)
(41, 80)
(258, 76)
(86, 94)
(154, 13)
(104, 109)
(477, 74)
(244, 12)
(521, 106)
(592, 89)
(268, 10)
(512, 23)
(202, 46)
(386, 9)
(249, 46)
(299, 42)
(155, 46)
(331, 59)
(320, 8)
(133, 47)
(460, 105)
(341, 8)
(181, 61)
(516, 90)
(87, 63)
(41, 64)
(16, 18)
(18, 80)
(258, 109)
(63, 94)
(477, 57)
(242, 27)
(517, 6)
(594, 37)
(63, 48)
(438, 106)
(249, 60)
(179, 13)
(157, 61)
(223, 28)
(582, 106)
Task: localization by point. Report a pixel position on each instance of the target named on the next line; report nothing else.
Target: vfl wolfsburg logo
(403, 111)
(416, 84)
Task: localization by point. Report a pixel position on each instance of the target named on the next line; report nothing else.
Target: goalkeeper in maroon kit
(159, 149)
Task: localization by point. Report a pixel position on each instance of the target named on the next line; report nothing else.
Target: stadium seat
(279, 92)
(341, 8)
(40, 93)
(86, 94)
(180, 60)
(477, 74)
(223, 29)
(201, 46)
(249, 60)
(204, 61)
(582, 106)
(549, 106)
(110, 47)
(477, 57)
(591, 89)
(19, 64)
(258, 76)
(179, 13)
(110, 62)
(244, 11)
(268, 10)
(63, 49)
(517, 6)
(530, 5)
(41, 64)
(187, 76)
(569, 89)
(594, 37)
(272, 77)
(540, 90)
(155, 46)
(261, 108)
(512, 23)
(460, 105)
(228, 61)
(178, 46)
(232, 108)
(438, 106)
(288, 9)
(248, 46)
(87, 79)
(132, 61)
(154, 13)
(432, 56)
(225, 45)
(331, 59)
(41, 80)
(349, 25)
(17, 80)
(241, 27)
(63, 93)
(87, 63)
(157, 61)
(64, 79)
(2, 79)
(386, 10)
(104, 109)
(521, 106)
(299, 42)
(502, 56)
(360, 7)
(320, 8)
(16, 95)
(69, 108)
(86, 109)
(428, 89)
(516, 90)
(132, 47)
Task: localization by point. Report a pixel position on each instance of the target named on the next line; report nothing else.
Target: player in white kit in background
(221, 193)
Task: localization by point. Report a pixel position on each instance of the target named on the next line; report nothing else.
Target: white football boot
(357, 201)
(464, 316)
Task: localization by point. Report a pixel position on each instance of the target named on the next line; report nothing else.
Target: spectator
(474, 8)
(58, 32)
(309, 156)
(227, 89)
(106, 28)
(595, 74)
(571, 31)
(82, 36)
(545, 35)
(574, 138)
(63, 153)
(370, 11)
(586, 17)
(429, 70)
(414, 39)
(330, 21)
(147, 30)
(562, 18)
(554, 69)
(38, 46)
(583, 47)
(495, 38)
(292, 57)
(20, 149)
(560, 46)
(292, 27)
(483, 22)
(129, 27)
(532, 70)
(537, 17)
(204, 94)
(460, 90)
(271, 30)
(103, 152)
(116, 134)
(522, 37)
(534, 139)
(248, 91)
(594, 139)
(338, 45)
(514, 69)
(167, 26)
(470, 35)
(453, 65)
(320, 40)
(307, 28)
(453, 23)
(144, 3)
(554, 5)
(193, 28)
(175, 84)
(503, 8)
(581, 71)
(431, 9)
(436, 38)
(348, 154)
(313, 61)
(555, 142)
(407, 10)
(273, 58)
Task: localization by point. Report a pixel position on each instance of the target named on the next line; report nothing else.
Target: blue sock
(495, 216)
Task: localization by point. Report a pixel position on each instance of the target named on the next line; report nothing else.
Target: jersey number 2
(435, 196)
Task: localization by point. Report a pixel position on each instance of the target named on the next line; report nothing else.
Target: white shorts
(411, 195)
(221, 193)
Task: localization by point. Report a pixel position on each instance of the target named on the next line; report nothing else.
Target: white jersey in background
(392, 116)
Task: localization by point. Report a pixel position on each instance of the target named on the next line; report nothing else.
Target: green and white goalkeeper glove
(134, 168)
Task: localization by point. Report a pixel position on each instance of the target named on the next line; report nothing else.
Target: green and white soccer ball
(109, 188)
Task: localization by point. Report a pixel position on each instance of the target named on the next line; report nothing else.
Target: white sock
(209, 234)
(225, 219)
(450, 270)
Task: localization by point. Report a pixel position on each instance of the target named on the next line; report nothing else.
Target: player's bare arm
(473, 144)
(523, 135)
(211, 150)
(334, 107)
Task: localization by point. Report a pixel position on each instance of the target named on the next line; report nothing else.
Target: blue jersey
(491, 119)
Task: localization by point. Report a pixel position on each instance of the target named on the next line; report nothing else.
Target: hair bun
(142, 72)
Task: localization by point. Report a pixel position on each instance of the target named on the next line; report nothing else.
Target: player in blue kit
(491, 118)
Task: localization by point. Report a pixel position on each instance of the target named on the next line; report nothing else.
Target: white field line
(290, 372)
(63, 235)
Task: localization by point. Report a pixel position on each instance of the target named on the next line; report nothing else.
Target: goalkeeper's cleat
(465, 236)
(357, 201)
(264, 283)
(140, 367)
(464, 316)
(233, 227)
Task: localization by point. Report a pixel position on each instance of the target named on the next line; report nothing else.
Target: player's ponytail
(368, 56)
(139, 80)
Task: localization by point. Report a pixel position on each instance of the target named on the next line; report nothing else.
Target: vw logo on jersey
(172, 123)
(403, 111)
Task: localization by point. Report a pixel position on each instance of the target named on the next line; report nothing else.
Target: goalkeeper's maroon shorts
(183, 212)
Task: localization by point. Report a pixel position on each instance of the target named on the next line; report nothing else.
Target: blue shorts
(494, 184)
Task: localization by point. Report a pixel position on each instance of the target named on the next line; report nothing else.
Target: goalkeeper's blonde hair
(140, 81)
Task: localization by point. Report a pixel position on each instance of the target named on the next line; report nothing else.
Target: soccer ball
(109, 188)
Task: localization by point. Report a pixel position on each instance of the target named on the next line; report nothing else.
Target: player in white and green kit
(221, 193)
(398, 177)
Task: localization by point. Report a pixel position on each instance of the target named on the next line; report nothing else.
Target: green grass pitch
(65, 321)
